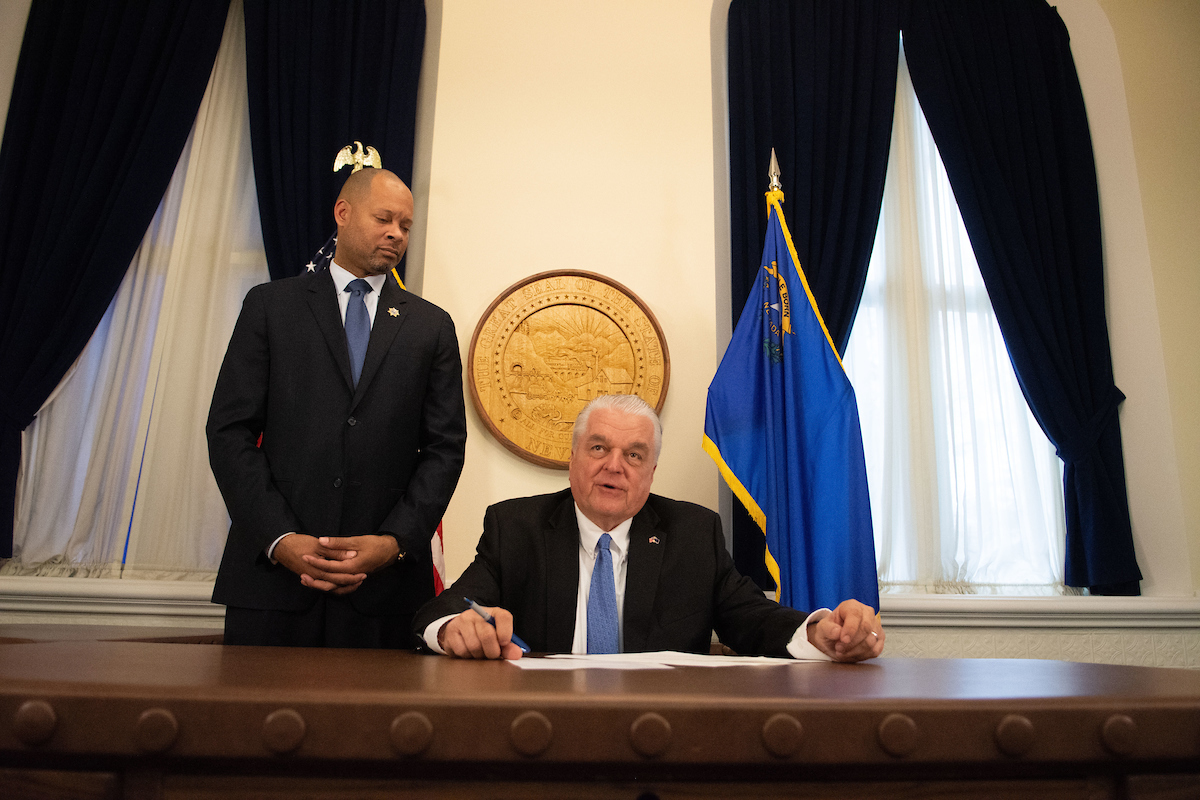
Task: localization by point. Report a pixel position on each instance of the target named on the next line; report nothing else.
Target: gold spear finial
(773, 174)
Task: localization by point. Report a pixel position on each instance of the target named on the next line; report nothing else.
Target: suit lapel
(646, 546)
(383, 331)
(561, 536)
(322, 300)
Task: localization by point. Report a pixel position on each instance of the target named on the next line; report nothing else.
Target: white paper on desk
(673, 658)
(659, 660)
(584, 662)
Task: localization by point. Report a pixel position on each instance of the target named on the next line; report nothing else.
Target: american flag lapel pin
(654, 540)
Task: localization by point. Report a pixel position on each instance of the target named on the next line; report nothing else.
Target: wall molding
(107, 600)
(975, 611)
(187, 602)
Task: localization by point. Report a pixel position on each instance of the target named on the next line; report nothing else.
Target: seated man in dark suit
(609, 567)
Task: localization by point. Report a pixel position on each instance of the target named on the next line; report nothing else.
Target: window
(966, 491)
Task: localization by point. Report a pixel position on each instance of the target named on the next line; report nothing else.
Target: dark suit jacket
(678, 589)
(334, 460)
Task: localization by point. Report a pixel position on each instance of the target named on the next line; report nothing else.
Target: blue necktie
(602, 603)
(358, 325)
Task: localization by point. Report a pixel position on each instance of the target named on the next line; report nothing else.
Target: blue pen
(490, 620)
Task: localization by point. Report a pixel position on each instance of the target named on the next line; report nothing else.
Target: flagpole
(782, 425)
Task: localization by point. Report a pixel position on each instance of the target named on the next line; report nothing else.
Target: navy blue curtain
(321, 74)
(105, 94)
(998, 86)
(816, 80)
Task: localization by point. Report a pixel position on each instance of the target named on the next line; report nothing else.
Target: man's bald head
(358, 184)
(374, 212)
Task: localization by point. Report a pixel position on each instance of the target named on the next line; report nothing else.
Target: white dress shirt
(589, 540)
(589, 544)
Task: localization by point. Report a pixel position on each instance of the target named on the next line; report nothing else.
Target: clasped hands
(336, 564)
(851, 632)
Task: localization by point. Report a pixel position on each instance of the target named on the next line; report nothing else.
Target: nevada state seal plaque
(552, 342)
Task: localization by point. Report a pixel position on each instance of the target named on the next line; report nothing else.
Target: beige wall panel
(1160, 64)
(576, 136)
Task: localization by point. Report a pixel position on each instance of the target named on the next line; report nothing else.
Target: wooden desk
(125, 719)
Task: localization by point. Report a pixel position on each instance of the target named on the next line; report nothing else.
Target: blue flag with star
(782, 425)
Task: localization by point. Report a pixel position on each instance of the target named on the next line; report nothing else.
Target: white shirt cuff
(431, 633)
(800, 647)
(271, 549)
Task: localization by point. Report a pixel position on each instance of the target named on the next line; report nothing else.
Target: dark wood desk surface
(215, 710)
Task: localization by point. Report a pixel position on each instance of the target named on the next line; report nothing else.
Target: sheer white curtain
(77, 454)
(966, 491)
(115, 479)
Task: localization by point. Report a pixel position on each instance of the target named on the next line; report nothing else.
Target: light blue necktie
(358, 325)
(602, 603)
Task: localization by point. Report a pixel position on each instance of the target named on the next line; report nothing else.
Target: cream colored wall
(1160, 62)
(575, 136)
(1155, 495)
(13, 14)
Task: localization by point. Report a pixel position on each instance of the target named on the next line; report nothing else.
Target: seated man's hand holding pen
(470, 635)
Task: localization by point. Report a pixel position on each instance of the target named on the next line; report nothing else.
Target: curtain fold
(76, 457)
(321, 74)
(998, 86)
(816, 80)
(127, 424)
(104, 97)
(178, 523)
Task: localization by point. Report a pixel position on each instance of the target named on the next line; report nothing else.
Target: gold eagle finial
(359, 158)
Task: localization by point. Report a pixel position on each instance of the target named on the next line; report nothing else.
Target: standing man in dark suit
(355, 387)
(608, 567)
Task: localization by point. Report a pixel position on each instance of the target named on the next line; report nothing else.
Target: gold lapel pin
(393, 312)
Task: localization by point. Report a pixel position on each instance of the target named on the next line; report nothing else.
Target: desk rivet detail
(898, 735)
(411, 733)
(531, 733)
(782, 735)
(156, 730)
(283, 730)
(1119, 734)
(650, 735)
(1015, 735)
(34, 722)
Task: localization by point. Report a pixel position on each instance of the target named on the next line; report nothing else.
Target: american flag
(323, 256)
(321, 260)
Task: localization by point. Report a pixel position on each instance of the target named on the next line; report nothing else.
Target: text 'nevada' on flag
(782, 424)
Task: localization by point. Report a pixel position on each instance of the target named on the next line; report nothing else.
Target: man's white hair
(625, 403)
